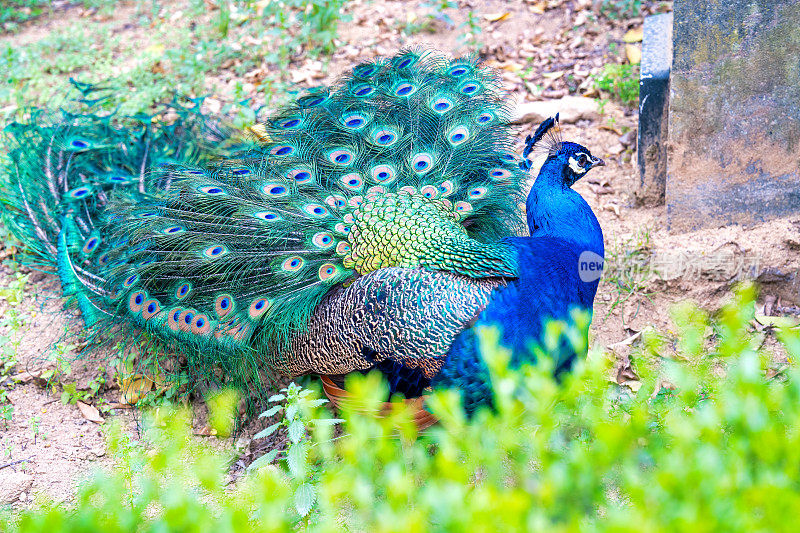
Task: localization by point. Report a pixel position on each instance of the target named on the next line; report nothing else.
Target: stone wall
(734, 117)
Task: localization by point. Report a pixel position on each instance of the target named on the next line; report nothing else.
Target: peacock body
(420, 327)
(363, 225)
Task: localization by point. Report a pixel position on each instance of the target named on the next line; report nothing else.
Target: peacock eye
(582, 160)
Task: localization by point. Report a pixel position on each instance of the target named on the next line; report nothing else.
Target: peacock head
(566, 162)
(575, 161)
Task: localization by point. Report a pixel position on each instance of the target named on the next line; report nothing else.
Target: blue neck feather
(562, 226)
(555, 210)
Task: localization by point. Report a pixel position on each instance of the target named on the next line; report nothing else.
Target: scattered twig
(12, 463)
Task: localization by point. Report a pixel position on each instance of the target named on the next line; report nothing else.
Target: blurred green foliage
(707, 443)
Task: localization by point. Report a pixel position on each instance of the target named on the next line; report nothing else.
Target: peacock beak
(597, 162)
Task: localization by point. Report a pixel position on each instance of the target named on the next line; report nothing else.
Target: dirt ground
(56, 446)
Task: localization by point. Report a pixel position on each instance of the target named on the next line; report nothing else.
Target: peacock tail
(226, 243)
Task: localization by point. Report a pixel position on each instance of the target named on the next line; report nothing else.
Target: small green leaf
(304, 498)
(327, 421)
(268, 431)
(264, 460)
(276, 398)
(271, 411)
(317, 402)
(296, 430)
(296, 459)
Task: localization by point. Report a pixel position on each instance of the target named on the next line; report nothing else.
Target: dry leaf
(205, 431)
(512, 67)
(633, 53)
(495, 17)
(634, 36)
(777, 321)
(633, 385)
(117, 405)
(553, 75)
(626, 342)
(134, 388)
(90, 412)
(539, 8)
(610, 127)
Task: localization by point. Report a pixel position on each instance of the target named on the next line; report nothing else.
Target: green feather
(405, 161)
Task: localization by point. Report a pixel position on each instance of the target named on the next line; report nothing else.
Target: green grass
(178, 49)
(620, 82)
(13, 12)
(621, 9)
(628, 269)
(708, 442)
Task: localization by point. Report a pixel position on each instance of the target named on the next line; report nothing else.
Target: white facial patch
(576, 168)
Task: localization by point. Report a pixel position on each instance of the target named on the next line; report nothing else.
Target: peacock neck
(555, 210)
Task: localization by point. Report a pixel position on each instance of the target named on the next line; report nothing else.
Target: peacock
(364, 225)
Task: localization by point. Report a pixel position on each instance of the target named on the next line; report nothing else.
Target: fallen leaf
(626, 342)
(134, 388)
(634, 385)
(633, 53)
(117, 405)
(539, 8)
(495, 17)
(553, 75)
(777, 321)
(512, 67)
(634, 36)
(205, 431)
(609, 127)
(89, 412)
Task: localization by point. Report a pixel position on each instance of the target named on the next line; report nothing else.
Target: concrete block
(734, 116)
(654, 109)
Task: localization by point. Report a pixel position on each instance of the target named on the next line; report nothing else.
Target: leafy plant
(432, 12)
(71, 394)
(12, 322)
(621, 9)
(13, 12)
(472, 29)
(6, 411)
(35, 423)
(621, 82)
(14, 292)
(706, 445)
(310, 25)
(243, 36)
(300, 410)
(627, 269)
(60, 364)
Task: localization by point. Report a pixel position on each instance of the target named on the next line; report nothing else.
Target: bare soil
(59, 447)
